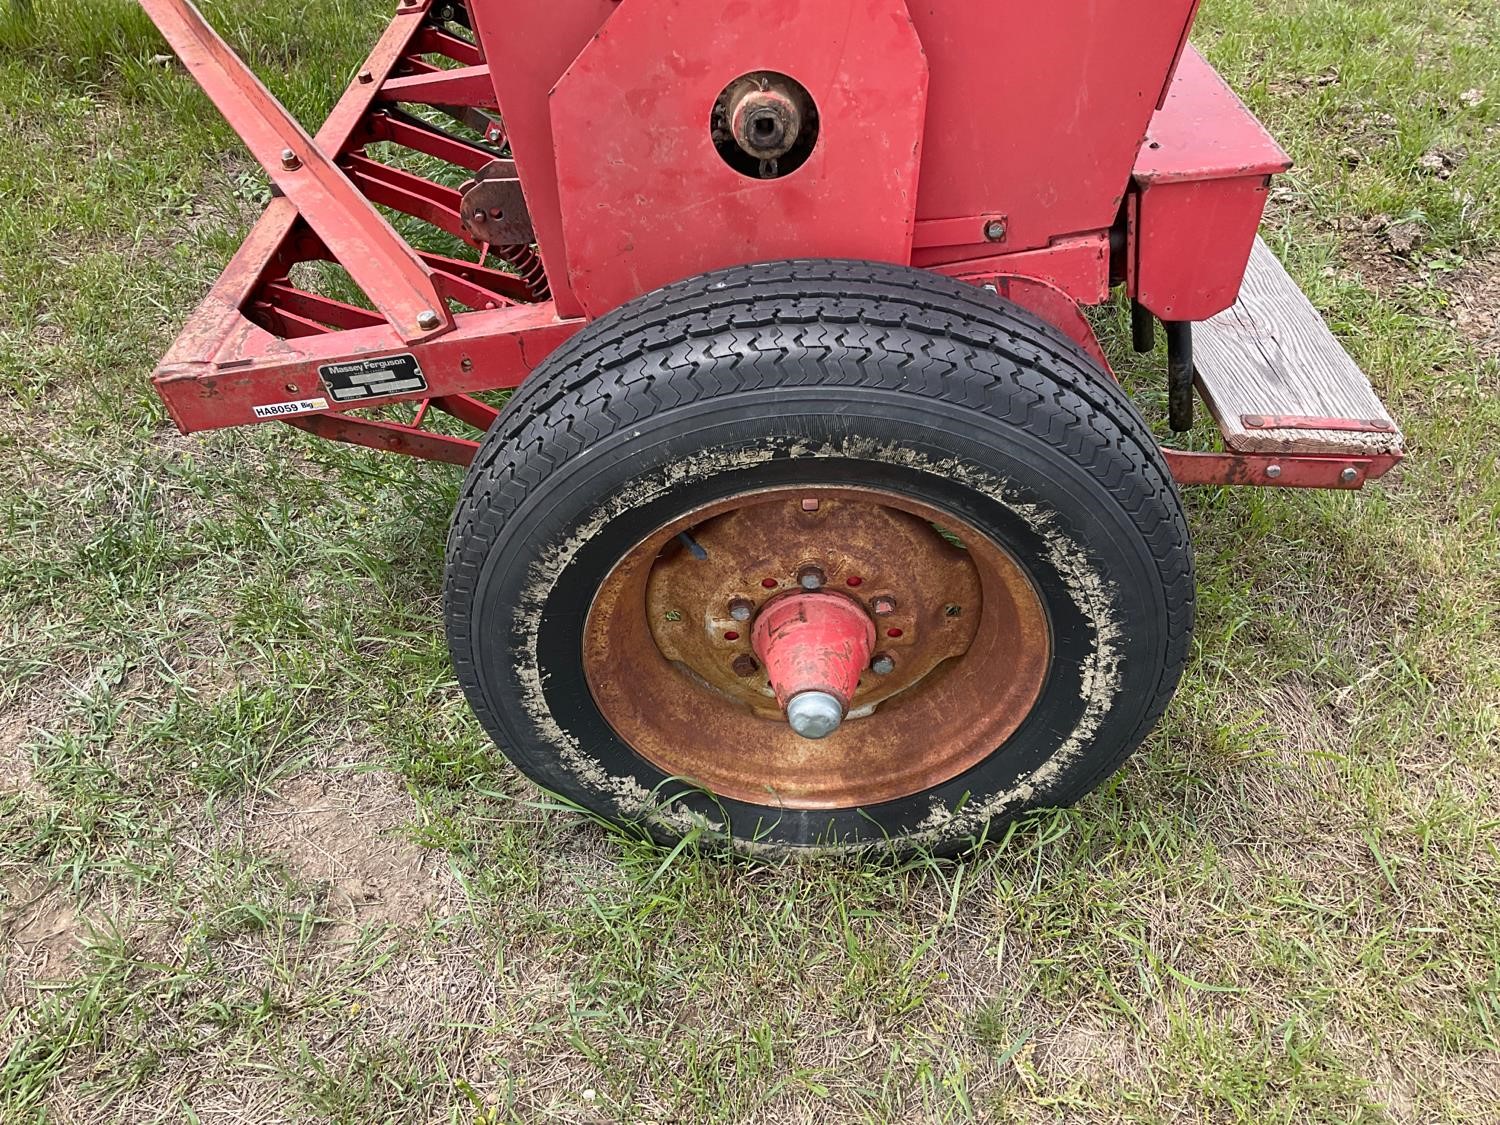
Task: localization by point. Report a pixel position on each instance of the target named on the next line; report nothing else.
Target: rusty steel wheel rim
(962, 641)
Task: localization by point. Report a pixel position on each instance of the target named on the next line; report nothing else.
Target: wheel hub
(816, 648)
(707, 590)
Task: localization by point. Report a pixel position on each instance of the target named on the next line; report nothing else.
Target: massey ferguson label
(299, 406)
(373, 378)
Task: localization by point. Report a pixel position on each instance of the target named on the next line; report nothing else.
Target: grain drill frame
(1156, 186)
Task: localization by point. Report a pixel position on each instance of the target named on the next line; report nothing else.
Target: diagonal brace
(388, 270)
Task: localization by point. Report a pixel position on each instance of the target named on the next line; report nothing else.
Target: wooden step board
(1278, 381)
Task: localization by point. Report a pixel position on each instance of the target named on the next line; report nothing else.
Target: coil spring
(528, 266)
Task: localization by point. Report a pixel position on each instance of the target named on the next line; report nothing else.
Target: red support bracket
(381, 264)
(388, 436)
(1273, 470)
(466, 86)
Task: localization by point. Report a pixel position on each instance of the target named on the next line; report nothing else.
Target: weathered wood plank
(1272, 354)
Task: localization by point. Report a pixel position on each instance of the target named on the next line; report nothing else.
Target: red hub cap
(814, 647)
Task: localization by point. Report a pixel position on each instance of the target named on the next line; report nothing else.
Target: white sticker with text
(282, 409)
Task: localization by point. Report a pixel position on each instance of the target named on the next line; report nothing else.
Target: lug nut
(883, 664)
(745, 665)
(883, 606)
(1349, 475)
(740, 609)
(811, 578)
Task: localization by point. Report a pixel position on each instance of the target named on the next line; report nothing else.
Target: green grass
(257, 861)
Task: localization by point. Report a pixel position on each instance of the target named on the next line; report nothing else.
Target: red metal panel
(1076, 267)
(1194, 242)
(1201, 184)
(1204, 132)
(528, 46)
(646, 199)
(1037, 110)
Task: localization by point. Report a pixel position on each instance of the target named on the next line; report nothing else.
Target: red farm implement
(817, 518)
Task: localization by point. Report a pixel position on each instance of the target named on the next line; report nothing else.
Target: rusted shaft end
(815, 647)
(766, 118)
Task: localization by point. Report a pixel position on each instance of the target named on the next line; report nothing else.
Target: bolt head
(814, 714)
(427, 320)
(1349, 475)
(740, 609)
(290, 160)
(883, 664)
(811, 578)
(1273, 471)
(366, 77)
(745, 665)
(994, 230)
(883, 606)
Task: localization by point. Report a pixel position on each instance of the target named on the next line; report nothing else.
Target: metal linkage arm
(388, 270)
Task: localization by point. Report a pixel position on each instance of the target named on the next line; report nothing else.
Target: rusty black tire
(861, 379)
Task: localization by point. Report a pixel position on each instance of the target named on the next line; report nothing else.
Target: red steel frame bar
(385, 267)
(257, 338)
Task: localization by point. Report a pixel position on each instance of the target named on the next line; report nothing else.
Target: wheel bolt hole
(854, 580)
(893, 633)
(731, 635)
(769, 583)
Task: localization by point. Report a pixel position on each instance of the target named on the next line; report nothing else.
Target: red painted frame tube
(262, 256)
(1270, 470)
(390, 437)
(385, 268)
